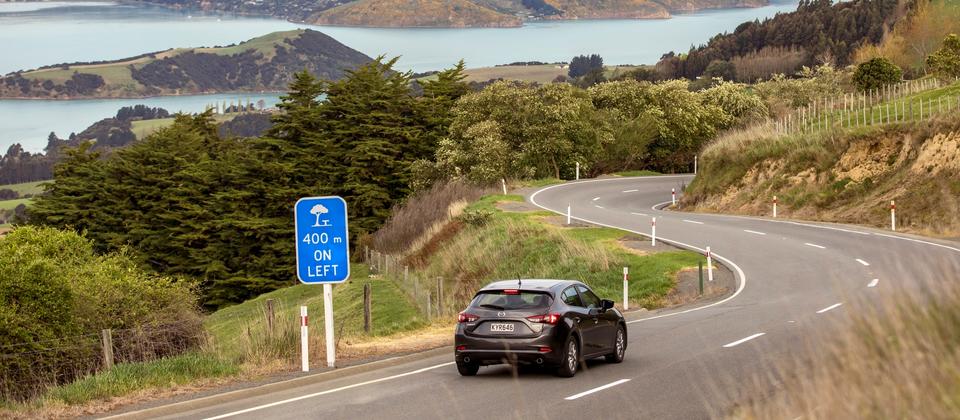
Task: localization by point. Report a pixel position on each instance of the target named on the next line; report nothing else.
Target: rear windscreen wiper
(491, 306)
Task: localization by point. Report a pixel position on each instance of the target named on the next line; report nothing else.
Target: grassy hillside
(27, 188)
(263, 63)
(845, 175)
(504, 13)
(12, 204)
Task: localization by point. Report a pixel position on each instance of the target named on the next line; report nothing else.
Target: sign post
(323, 253)
(626, 290)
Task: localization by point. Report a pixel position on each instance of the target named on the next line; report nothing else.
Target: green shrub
(57, 295)
(876, 73)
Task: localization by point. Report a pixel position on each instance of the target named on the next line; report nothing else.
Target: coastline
(110, 98)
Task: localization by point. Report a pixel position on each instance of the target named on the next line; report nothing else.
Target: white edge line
(918, 241)
(873, 283)
(692, 221)
(740, 274)
(835, 305)
(863, 262)
(754, 232)
(597, 389)
(742, 340)
(814, 245)
(329, 391)
(638, 214)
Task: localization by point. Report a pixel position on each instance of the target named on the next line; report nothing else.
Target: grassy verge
(241, 332)
(128, 378)
(643, 172)
(496, 244)
(897, 358)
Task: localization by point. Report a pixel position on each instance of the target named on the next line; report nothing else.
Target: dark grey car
(555, 323)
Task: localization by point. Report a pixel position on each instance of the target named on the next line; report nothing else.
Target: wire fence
(433, 297)
(891, 104)
(28, 369)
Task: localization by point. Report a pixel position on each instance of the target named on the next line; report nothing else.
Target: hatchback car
(553, 323)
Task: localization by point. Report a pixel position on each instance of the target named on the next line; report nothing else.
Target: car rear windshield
(512, 300)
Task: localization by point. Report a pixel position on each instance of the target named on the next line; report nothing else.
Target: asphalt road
(796, 281)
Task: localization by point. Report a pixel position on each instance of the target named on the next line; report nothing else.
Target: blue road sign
(323, 249)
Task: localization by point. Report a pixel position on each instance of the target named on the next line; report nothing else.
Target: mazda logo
(501, 314)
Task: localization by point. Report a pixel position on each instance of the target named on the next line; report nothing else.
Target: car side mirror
(606, 304)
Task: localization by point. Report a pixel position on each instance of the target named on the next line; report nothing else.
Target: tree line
(822, 30)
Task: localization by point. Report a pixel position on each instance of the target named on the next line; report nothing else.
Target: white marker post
(626, 290)
(304, 342)
(709, 265)
(774, 207)
(694, 164)
(578, 171)
(673, 196)
(328, 324)
(568, 214)
(893, 215)
(653, 232)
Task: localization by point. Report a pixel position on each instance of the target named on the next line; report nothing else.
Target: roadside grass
(26, 188)
(124, 379)
(241, 332)
(498, 245)
(896, 358)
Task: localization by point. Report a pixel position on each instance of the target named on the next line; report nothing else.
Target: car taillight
(544, 349)
(511, 292)
(465, 317)
(545, 318)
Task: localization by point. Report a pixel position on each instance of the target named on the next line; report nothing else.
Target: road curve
(795, 280)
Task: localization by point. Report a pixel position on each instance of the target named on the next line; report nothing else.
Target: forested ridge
(264, 63)
(818, 31)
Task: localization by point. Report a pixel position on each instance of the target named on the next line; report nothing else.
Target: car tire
(571, 358)
(468, 369)
(619, 346)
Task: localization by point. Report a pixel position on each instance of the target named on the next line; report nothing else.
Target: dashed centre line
(597, 389)
(754, 232)
(638, 214)
(873, 283)
(814, 245)
(834, 306)
(693, 221)
(628, 191)
(596, 198)
(599, 207)
(863, 262)
(743, 340)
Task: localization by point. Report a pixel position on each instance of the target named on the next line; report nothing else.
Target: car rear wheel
(571, 358)
(619, 347)
(468, 369)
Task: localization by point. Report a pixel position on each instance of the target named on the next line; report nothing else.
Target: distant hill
(265, 63)
(456, 13)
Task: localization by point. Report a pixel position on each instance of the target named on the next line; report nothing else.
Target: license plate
(501, 327)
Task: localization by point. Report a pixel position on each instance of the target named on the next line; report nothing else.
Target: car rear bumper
(489, 351)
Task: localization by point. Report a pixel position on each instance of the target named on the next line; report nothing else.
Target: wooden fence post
(106, 338)
(270, 315)
(440, 296)
(367, 318)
